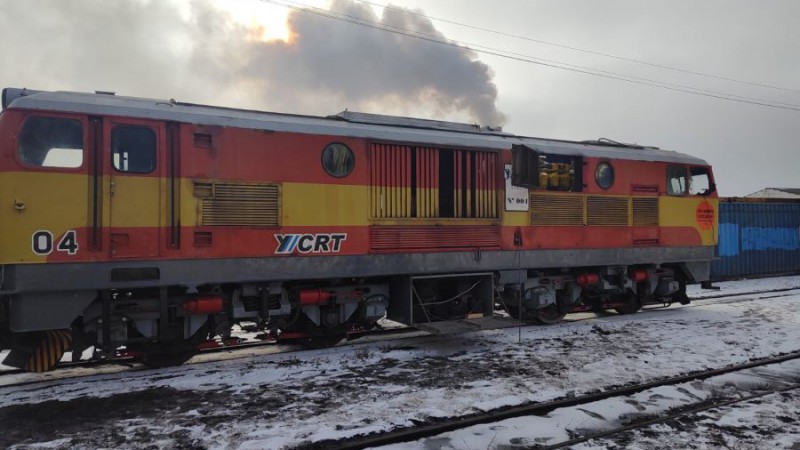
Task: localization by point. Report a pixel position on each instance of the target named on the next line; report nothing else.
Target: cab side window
(700, 181)
(677, 180)
(133, 149)
(51, 142)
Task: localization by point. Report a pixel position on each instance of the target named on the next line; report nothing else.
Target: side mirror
(706, 192)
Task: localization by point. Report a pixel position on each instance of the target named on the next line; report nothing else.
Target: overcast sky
(236, 53)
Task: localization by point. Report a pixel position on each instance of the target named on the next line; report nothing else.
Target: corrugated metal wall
(757, 238)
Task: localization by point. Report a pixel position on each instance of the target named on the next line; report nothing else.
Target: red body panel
(244, 155)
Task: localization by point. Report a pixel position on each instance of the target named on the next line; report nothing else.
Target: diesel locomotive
(155, 225)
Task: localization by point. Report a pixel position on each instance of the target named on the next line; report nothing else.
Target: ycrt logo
(309, 243)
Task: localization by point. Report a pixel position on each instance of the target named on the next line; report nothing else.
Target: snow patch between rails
(566, 423)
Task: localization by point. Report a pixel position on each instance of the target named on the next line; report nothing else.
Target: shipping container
(757, 237)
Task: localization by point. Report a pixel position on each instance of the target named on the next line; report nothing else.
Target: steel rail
(241, 347)
(763, 291)
(683, 412)
(436, 426)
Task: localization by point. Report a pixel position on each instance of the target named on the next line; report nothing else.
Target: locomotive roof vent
(105, 92)
(412, 122)
(612, 143)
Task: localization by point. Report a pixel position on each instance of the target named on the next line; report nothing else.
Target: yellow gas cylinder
(565, 178)
(543, 177)
(554, 174)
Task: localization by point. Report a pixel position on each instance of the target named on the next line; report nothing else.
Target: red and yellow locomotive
(154, 224)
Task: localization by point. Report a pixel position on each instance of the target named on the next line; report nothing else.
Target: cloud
(200, 54)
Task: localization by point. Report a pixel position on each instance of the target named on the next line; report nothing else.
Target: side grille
(410, 182)
(389, 238)
(231, 204)
(556, 209)
(645, 188)
(390, 183)
(607, 210)
(203, 239)
(645, 212)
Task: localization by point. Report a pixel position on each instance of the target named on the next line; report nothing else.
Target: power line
(553, 63)
(579, 49)
(308, 9)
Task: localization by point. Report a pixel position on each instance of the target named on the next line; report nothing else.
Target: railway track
(705, 300)
(677, 415)
(347, 360)
(206, 355)
(737, 294)
(426, 430)
(242, 349)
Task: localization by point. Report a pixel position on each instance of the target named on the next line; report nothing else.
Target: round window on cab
(604, 175)
(338, 160)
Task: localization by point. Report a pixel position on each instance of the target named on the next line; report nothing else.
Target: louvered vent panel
(392, 238)
(203, 239)
(645, 212)
(607, 210)
(240, 204)
(390, 181)
(556, 209)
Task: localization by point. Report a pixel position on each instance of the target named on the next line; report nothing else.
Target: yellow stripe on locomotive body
(301, 204)
(698, 212)
(133, 202)
(39, 201)
(54, 204)
(307, 204)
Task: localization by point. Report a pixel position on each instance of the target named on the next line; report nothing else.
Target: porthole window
(338, 160)
(604, 175)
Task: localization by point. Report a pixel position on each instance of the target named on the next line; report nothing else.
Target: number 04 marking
(42, 242)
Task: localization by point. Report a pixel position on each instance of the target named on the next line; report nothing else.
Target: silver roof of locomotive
(348, 124)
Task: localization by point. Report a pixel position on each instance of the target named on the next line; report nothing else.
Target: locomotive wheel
(160, 357)
(632, 304)
(323, 337)
(513, 312)
(550, 315)
(320, 336)
(168, 354)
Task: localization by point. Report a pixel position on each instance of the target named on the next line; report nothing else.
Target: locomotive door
(134, 150)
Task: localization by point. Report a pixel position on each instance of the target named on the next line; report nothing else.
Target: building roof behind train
(774, 192)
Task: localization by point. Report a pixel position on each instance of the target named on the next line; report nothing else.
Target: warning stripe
(49, 352)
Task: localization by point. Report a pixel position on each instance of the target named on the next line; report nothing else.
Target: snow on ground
(771, 422)
(275, 401)
(776, 423)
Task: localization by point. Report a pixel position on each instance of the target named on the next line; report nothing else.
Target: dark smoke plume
(152, 48)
